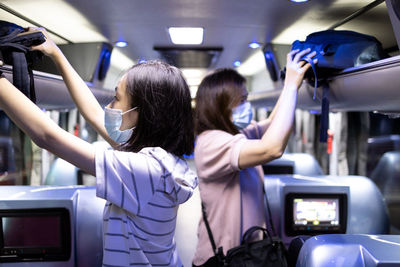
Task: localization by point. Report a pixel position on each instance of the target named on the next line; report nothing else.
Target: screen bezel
(291, 228)
(39, 253)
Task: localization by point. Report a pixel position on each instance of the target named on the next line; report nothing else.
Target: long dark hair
(217, 94)
(164, 104)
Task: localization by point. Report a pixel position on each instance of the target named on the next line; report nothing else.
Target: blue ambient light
(121, 44)
(237, 63)
(254, 45)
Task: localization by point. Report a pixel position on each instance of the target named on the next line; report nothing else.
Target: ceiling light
(186, 35)
(299, 1)
(121, 44)
(254, 45)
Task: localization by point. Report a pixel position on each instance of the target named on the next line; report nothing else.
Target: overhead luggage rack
(52, 93)
(369, 87)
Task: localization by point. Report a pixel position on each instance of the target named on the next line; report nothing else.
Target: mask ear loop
(129, 110)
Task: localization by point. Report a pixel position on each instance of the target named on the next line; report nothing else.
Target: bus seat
(294, 249)
(315, 205)
(379, 145)
(350, 251)
(294, 163)
(386, 176)
(45, 226)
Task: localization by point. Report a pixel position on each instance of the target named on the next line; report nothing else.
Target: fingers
(46, 37)
(301, 54)
(311, 55)
(305, 67)
(296, 66)
(289, 56)
(35, 29)
(301, 63)
(295, 55)
(31, 28)
(306, 59)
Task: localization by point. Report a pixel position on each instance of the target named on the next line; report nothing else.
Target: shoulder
(220, 150)
(120, 161)
(214, 133)
(211, 136)
(157, 154)
(217, 139)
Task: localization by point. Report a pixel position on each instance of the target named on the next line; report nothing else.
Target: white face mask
(113, 121)
(242, 115)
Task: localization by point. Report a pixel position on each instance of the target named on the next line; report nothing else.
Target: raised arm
(266, 123)
(84, 99)
(42, 130)
(274, 140)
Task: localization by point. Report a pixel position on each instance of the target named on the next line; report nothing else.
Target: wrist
(291, 87)
(56, 54)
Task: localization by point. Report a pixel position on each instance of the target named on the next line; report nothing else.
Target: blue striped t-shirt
(143, 191)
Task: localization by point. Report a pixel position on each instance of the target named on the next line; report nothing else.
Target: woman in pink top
(230, 150)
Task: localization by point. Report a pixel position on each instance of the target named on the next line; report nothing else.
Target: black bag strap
(271, 223)
(32, 94)
(314, 69)
(253, 229)
(219, 251)
(210, 235)
(324, 113)
(325, 101)
(21, 73)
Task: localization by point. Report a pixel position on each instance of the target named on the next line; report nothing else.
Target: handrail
(356, 14)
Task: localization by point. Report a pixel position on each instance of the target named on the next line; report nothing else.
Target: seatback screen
(315, 213)
(35, 235)
(319, 211)
(31, 231)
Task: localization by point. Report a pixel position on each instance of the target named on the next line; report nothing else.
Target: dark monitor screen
(31, 231)
(315, 213)
(35, 235)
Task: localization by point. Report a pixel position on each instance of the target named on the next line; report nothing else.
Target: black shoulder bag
(269, 251)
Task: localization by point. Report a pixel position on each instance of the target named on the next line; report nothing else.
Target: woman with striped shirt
(144, 178)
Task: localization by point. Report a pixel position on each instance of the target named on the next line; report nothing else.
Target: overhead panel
(190, 57)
